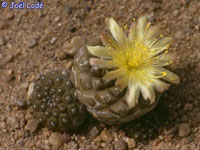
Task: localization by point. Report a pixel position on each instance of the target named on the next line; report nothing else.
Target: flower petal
(132, 94)
(151, 34)
(148, 93)
(113, 74)
(163, 60)
(163, 42)
(99, 51)
(101, 63)
(141, 27)
(132, 33)
(160, 86)
(169, 76)
(117, 32)
(122, 82)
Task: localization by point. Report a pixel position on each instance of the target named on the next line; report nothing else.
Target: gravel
(188, 107)
(32, 125)
(12, 123)
(68, 9)
(2, 41)
(55, 140)
(179, 35)
(120, 145)
(21, 103)
(31, 42)
(94, 132)
(60, 55)
(106, 136)
(184, 130)
(53, 40)
(131, 143)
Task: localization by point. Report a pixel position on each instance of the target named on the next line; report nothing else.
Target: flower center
(132, 57)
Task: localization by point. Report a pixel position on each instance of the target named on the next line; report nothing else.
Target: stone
(32, 125)
(171, 130)
(87, 8)
(1, 90)
(72, 145)
(131, 143)
(188, 107)
(21, 103)
(60, 55)
(184, 130)
(9, 58)
(179, 35)
(31, 42)
(3, 24)
(68, 9)
(53, 40)
(109, 147)
(2, 125)
(9, 15)
(94, 132)
(106, 136)
(30, 90)
(164, 146)
(72, 29)
(65, 138)
(70, 48)
(91, 147)
(120, 145)
(2, 41)
(12, 122)
(175, 12)
(55, 139)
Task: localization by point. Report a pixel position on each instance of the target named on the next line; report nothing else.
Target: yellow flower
(136, 61)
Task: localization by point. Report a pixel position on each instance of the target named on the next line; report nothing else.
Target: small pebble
(65, 138)
(131, 143)
(94, 132)
(60, 55)
(109, 147)
(31, 42)
(91, 147)
(184, 130)
(1, 90)
(32, 125)
(9, 15)
(68, 9)
(2, 41)
(171, 130)
(3, 24)
(12, 122)
(188, 107)
(120, 145)
(9, 58)
(55, 140)
(70, 48)
(151, 17)
(72, 29)
(2, 125)
(53, 40)
(106, 136)
(87, 8)
(179, 35)
(57, 19)
(175, 12)
(21, 104)
(21, 143)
